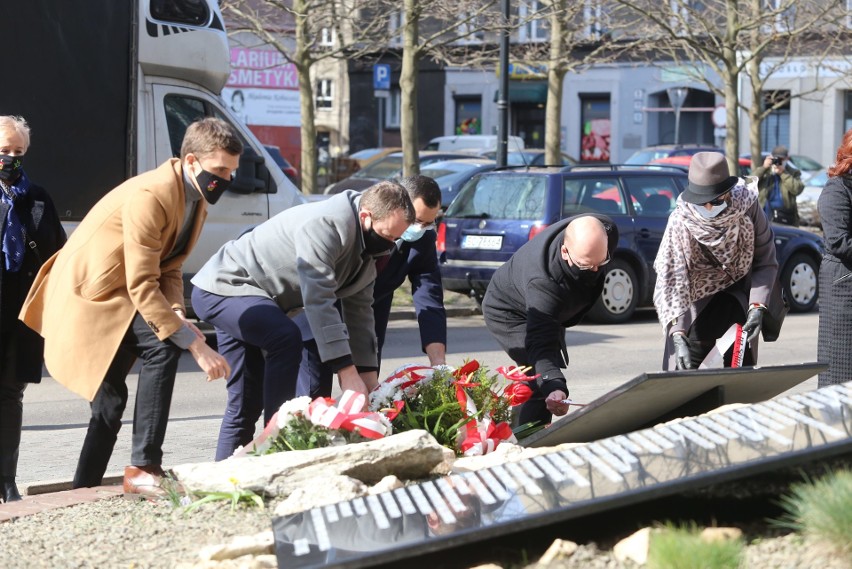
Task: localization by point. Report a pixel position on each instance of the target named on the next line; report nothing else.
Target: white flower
(297, 406)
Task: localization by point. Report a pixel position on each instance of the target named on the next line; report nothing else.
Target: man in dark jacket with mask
(548, 285)
(310, 256)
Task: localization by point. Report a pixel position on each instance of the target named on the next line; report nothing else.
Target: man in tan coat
(114, 293)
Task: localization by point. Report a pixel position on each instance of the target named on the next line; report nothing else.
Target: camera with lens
(777, 160)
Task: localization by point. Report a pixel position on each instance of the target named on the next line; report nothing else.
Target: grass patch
(822, 510)
(678, 547)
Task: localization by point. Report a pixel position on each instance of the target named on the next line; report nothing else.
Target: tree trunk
(408, 90)
(730, 77)
(555, 80)
(755, 113)
(306, 101)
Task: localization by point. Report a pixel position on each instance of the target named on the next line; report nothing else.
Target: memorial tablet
(463, 510)
(656, 397)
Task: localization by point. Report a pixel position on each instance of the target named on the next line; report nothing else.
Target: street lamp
(677, 95)
(503, 99)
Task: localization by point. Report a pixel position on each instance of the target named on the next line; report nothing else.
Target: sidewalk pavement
(59, 499)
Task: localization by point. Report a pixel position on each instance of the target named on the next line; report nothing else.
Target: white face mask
(708, 213)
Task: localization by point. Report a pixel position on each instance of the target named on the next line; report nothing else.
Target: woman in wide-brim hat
(716, 265)
(30, 232)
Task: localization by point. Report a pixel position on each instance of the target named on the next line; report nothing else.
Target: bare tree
(733, 38)
(448, 31)
(295, 28)
(580, 34)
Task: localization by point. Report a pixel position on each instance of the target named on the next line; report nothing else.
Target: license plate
(489, 242)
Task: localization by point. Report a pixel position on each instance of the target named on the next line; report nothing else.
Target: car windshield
(646, 156)
(805, 163)
(382, 169)
(447, 173)
(501, 197)
(364, 154)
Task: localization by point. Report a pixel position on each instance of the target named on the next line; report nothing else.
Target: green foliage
(527, 429)
(682, 548)
(236, 496)
(300, 435)
(822, 509)
(436, 409)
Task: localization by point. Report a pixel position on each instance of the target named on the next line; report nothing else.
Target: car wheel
(799, 279)
(620, 295)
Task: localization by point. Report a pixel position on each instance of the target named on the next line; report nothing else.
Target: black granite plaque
(656, 397)
(629, 468)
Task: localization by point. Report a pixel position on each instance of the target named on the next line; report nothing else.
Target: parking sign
(381, 77)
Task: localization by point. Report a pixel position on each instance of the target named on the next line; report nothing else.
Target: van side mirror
(250, 174)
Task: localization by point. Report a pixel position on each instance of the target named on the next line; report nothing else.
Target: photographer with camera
(779, 183)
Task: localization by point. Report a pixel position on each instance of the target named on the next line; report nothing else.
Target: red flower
(517, 373)
(391, 414)
(466, 369)
(517, 392)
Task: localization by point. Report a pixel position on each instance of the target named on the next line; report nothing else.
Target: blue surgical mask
(414, 232)
(709, 213)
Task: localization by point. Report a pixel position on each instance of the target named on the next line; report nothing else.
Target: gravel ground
(120, 533)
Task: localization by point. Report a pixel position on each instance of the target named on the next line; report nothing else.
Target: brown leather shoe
(145, 480)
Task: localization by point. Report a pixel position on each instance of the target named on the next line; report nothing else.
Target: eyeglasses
(720, 200)
(425, 226)
(587, 267)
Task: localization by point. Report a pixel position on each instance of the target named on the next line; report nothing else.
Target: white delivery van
(111, 86)
(474, 143)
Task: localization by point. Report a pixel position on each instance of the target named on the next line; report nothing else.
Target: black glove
(754, 320)
(681, 351)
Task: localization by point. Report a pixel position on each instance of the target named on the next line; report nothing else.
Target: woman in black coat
(30, 232)
(835, 272)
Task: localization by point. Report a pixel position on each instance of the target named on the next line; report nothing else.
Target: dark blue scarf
(13, 230)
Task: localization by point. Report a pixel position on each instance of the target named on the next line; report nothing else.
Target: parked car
(452, 175)
(808, 166)
(806, 202)
(345, 166)
(530, 157)
(386, 168)
(288, 169)
(497, 212)
(650, 153)
(472, 142)
(685, 160)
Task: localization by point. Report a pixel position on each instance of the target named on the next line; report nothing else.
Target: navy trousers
(153, 400)
(264, 348)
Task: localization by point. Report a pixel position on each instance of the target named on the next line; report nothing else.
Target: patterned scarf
(685, 271)
(13, 230)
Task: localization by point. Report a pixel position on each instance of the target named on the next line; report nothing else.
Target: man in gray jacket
(309, 256)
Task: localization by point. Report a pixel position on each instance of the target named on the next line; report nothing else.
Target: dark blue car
(497, 212)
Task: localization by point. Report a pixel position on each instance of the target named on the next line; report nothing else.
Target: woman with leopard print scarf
(716, 265)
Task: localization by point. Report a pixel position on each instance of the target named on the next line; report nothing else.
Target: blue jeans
(153, 400)
(264, 348)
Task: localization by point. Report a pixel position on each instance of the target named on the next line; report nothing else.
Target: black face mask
(588, 278)
(375, 244)
(10, 167)
(212, 186)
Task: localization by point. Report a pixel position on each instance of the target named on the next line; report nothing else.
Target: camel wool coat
(113, 266)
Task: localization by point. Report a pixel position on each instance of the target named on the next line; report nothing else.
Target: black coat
(532, 298)
(835, 282)
(21, 349)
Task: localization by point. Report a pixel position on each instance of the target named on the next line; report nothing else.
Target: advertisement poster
(263, 88)
(594, 146)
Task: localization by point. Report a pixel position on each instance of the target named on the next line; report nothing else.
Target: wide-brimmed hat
(709, 178)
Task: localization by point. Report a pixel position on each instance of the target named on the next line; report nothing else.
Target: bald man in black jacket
(548, 285)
